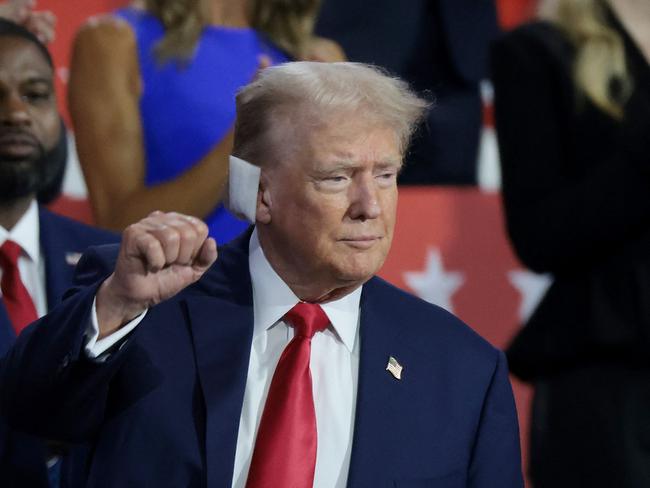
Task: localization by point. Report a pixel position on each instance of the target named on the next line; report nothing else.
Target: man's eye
(37, 96)
(332, 179)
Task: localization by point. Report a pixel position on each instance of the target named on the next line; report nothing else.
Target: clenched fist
(158, 257)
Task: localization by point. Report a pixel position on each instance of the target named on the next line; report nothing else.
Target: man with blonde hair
(285, 362)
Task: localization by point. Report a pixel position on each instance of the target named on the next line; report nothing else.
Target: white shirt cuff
(96, 347)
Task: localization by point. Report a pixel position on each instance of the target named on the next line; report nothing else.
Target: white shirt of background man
(26, 233)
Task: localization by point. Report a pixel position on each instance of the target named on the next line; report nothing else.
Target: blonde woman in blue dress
(151, 95)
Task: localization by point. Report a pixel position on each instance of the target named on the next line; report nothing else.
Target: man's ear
(264, 203)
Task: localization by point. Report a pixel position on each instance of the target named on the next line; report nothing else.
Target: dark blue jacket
(164, 409)
(22, 457)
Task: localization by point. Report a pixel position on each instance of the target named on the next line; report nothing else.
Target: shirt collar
(272, 299)
(26, 233)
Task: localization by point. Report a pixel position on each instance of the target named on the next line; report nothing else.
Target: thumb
(206, 256)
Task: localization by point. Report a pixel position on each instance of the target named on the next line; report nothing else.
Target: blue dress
(186, 109)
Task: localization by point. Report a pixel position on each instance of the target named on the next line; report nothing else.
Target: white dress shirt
(26, 233)
(334, 368)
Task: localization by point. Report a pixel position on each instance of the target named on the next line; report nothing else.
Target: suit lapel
(375, 393)
(7, 333)
(222, 347)
(57, 274)
(383, 402)
(221, 321)
(59, 268)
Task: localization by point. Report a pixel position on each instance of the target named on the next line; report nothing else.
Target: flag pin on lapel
(394, 367)
(72, 258)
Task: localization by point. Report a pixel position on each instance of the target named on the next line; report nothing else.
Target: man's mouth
(17, 145)
(361, 242)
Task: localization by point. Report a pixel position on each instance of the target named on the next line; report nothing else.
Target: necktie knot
(307, 319)
(9, 252)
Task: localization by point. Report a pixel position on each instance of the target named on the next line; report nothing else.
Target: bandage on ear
(243, 183)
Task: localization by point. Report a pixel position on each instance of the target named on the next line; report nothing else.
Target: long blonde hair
(288, 23)
(599, 69)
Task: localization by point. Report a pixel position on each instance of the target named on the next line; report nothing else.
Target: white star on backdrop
(531, 286)
(434, 284)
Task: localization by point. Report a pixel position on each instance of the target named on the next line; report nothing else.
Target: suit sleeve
(557, 220)
(496, 457)
(48, 386)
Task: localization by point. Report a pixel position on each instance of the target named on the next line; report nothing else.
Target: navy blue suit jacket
(164, 409)
(62, 240)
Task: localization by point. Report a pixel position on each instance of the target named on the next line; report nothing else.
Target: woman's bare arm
(103, 98)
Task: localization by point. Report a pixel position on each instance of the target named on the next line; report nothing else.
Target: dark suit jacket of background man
(164, 409)
(61, 240)
(437, 45)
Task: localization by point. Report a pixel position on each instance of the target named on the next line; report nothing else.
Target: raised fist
(158, 257)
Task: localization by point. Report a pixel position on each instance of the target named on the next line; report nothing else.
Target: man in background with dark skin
(38, 249)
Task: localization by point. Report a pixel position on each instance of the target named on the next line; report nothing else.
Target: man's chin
(17, 180)
(12, 162)
(358, 274)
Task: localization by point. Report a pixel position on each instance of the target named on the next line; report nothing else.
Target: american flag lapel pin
(394, 367)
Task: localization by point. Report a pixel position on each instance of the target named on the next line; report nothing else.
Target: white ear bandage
(243, 183)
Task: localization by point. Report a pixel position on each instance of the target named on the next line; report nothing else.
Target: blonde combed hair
(599, 69)
(288, 23)
(309, 93)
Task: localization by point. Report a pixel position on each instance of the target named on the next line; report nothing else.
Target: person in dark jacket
(572, 99)
(38, 249)
(438, 46)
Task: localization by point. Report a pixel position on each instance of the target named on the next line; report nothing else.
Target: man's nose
(365, 199)
(14, 110)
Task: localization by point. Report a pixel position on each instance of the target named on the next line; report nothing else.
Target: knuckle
(188, 234)
(131, 231)
(151, 245)
(167, 235)
(201, 226)
(140, 237)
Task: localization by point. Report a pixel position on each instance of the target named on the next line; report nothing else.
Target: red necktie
(285, 449)
(18, 302)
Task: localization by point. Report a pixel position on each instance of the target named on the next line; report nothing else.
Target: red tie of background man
(16, 298)
(285, 449)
